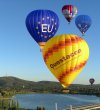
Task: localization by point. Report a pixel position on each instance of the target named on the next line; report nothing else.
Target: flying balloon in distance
(42, 25)
(69, 12)
(83, 22)
(66, 55)
(92, 80)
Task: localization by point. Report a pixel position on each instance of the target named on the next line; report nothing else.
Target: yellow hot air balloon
(65, 56)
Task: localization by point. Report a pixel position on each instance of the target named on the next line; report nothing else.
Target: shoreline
(5, 98)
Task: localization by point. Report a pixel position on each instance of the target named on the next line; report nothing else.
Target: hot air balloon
(83, 22)
(69, 11)
(92, 80)
(65, 55)
(42, 25)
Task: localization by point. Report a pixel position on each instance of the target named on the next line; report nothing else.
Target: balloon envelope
(92, 80)
(69, 12)
(42, 25)
(83, 22)
(65, 55)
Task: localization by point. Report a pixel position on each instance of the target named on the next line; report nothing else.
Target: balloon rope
(68, 22)
(83, 34)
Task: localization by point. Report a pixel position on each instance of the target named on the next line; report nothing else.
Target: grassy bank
(9, 104)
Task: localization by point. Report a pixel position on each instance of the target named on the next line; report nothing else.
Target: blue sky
(20, 55)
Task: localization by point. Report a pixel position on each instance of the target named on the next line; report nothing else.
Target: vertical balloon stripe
(74, 47)
(71, 8)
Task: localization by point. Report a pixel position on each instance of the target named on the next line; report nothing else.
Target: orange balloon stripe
(60, 45)
(77, 67)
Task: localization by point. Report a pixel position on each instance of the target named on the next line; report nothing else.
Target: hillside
(13, 82)
(10, 81)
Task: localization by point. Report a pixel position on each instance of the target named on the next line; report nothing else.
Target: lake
(31, 101)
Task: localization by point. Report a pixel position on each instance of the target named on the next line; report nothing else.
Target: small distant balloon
(92, 80)
(83, 22)
(42, 25)
(66, 55)
(69, 12)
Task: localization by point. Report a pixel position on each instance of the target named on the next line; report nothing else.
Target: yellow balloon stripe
(64, 77)
(41, 44)
(60, 45)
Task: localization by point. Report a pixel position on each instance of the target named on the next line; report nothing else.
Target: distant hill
(10, 81)
(13, 82)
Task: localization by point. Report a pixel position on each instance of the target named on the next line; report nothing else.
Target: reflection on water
(31, 101)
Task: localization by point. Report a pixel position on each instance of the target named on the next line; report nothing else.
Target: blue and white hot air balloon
(42, 25)
(83, 22)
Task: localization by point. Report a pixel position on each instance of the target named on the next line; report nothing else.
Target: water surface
(31, 101)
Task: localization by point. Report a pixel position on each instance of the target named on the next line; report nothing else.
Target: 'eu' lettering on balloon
(46, 28)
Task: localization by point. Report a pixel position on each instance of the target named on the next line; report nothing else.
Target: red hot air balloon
(92, 80)
(69, 11)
